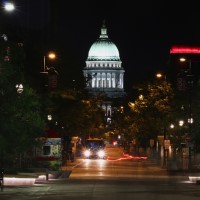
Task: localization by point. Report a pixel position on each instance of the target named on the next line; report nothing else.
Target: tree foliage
(150, 110)
(76, 112)
(20, 116)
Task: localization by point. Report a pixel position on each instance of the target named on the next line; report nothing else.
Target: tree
(76, 112)
(20, 113)
(151, 110)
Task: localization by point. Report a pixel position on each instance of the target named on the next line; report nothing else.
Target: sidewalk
(38, 176)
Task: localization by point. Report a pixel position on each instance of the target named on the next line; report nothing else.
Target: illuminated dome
(103, 71)
(103, 48)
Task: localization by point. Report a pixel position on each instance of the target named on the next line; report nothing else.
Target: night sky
(143, 32)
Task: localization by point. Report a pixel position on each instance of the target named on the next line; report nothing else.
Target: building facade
(184, 66)
(103, 72)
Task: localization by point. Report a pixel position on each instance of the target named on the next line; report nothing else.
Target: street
(117, 177)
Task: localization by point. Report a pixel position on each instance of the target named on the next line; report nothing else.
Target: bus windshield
(95, 144)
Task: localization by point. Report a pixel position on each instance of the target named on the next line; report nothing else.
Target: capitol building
(104, 73)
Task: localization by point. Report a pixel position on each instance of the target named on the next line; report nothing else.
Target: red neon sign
(184, 50)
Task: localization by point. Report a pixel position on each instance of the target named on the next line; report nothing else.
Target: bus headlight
(87, 153)
(101, 154)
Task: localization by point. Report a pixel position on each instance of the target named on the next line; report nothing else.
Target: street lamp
(190, 84)
(19, 88)
(165, 142)
(189, 76)
(49, 117)
(161, 76)
(51, 56)
(49, 74)
(181, 123)
(9, 6)
(172, 126)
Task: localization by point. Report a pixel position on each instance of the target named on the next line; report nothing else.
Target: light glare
(52, 55)
(181, 122)
(182, 59)
(101, 154)
(9, 7)
(159, 75)
(87, 153)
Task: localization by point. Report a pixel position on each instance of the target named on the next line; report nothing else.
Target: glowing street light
(49, 117)
(182, 59)
(171, 126)
(181, 122)
(51, 56)
(50, 74)
(160, 76)
(19, 88)
(9, 6)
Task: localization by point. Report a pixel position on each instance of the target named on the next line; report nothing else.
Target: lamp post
(51, 56)
(46, 71)
(165, 146)
(189, 76)
(184, 154)
(8, 7)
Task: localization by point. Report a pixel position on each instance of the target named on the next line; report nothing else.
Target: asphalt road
(116, 164)
(117, 177)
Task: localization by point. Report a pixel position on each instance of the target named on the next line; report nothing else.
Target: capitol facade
(103, 71)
